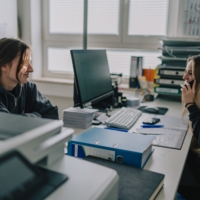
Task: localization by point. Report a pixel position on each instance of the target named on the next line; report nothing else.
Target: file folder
(182, 42)
(174, 62)
(122, 147)
(171, 72)
(175, 52)
(166, 58)
(168, 82)
(167, 90)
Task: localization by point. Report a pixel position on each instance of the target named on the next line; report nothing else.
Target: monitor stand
(104, 104)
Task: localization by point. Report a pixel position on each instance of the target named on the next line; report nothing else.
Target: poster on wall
(192, 17)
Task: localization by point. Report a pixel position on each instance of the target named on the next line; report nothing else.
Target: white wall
(8, 17)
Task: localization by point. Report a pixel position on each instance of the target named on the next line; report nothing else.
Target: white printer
(41, 142)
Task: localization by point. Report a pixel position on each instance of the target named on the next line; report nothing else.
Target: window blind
(120, 61)
(103, 16)
(66, 16)
(148, 17)
(59, 59)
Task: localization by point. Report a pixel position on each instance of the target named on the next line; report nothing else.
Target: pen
(116, 129)
(152, 126)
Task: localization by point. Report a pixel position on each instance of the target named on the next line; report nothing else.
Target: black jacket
(194, 116)
(27, 100)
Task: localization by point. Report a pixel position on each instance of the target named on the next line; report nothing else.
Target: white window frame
(105, 41)
(76, 38)
(148, 42)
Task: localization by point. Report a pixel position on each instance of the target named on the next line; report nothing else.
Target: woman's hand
(188, 92)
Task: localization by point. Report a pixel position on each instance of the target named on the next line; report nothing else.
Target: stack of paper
(77, 117)
(133, 102)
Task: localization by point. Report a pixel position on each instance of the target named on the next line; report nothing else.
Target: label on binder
(82, 151)
(171, 72)
(168, 81)
(169, 90)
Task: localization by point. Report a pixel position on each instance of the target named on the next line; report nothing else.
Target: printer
(30, 145)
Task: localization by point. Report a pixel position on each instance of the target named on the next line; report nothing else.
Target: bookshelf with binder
(175, 53)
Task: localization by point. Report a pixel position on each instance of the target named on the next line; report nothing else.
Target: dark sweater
(194, 116)
(189, 186)
(27, 100)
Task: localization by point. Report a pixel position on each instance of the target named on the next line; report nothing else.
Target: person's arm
(194, 117)
(33, 114)
(3, 108)
(37, 105)
(188, 94)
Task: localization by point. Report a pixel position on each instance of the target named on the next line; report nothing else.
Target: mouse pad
(162, 110)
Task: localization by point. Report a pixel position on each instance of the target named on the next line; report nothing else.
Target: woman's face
(188, 75)
(25, 70)
(23, 74)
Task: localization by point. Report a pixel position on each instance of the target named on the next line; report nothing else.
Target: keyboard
(124, 118)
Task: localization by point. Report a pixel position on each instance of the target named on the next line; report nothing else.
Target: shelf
(175, 53)
(180, 42)
(163, 58)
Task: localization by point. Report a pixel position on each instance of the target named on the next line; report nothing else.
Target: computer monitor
(93, 83)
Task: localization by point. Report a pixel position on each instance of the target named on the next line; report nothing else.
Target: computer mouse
(151, 109)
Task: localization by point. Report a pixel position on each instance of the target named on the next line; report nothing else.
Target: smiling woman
(189, 186)
(17, 94)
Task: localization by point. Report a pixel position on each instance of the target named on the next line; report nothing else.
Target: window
(60, 58)
(65, 16)
(111, 26)
(153, 22)
(119, 61)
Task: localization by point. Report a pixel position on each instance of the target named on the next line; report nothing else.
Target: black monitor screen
(92, 75)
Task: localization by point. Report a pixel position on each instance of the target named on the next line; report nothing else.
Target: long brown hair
(9, 49)
(196, 74)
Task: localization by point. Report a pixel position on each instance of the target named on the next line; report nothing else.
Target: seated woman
(189, 186)
(17, 95)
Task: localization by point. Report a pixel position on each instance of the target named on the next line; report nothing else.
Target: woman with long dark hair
(189, 186)
(17, 94)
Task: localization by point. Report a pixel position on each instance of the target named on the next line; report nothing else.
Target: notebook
(134, 183)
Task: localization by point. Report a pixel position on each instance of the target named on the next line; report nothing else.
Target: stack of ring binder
(175, 53)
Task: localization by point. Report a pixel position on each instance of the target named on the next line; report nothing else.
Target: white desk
(169, 161)
(164, 160)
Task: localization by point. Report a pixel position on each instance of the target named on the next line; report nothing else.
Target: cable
(108, 105)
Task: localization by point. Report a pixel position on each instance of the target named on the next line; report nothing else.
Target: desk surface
(165, 160)
(169, 161)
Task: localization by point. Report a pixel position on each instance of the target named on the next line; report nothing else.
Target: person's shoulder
(2, 90)
(29, 85)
